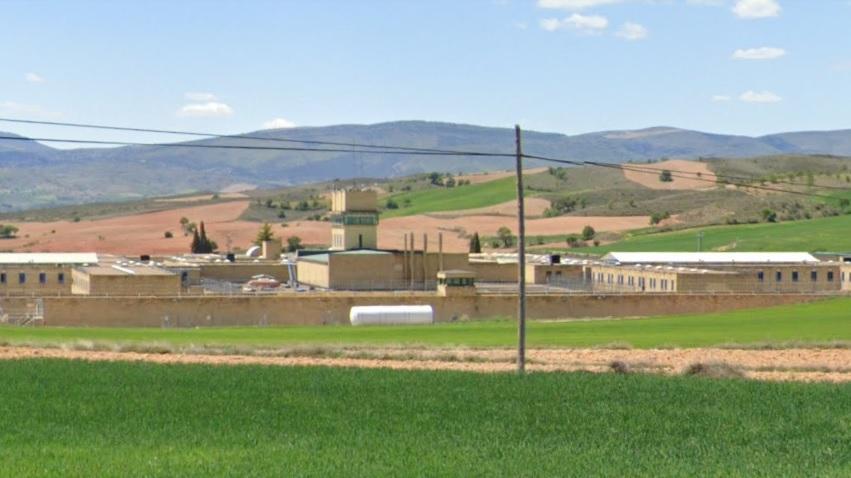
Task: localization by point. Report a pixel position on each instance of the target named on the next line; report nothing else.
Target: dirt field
(134, 234)
(477, 178)
(688, 181)
(809, 365)
(534, 207)
(391, 231)
(144, 233)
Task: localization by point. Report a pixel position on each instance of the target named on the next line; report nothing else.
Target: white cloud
(762, 53)
(721, 98)
(210, 109)
(707, 3)
(199, 96)
(12, 108)
(589, 24)
(574, 4)
(632, 31)
(34, 78)
(278, 123)
(751, 96)
(521, 25)
(756, 8)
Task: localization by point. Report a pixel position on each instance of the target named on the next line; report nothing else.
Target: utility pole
(521, 260)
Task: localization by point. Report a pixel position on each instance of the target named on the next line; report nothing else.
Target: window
(42, 278)
(813, 276)
(794, 276)
(830, 276)
(760, 276)
(2, 277)
(778, 276)
(60, 278)
(22, 278)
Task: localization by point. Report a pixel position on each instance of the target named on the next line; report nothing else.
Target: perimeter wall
(333, 308)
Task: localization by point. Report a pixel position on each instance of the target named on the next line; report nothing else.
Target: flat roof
(709, 257)
(125, 270)
(48, 258)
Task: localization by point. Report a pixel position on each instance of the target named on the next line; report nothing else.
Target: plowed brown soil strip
(827, 365)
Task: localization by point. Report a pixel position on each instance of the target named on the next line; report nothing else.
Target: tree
(572, 241)
(665, 176)
(434, 179)
(168, 235)
(658, 217)
(391, 204)
(203, 245)
(769, 216)
(450, 182)
(8, 231)
(264, 234)
(588, 233)
(294, 244)
(475, 244)
(505, 236)
(196, 242)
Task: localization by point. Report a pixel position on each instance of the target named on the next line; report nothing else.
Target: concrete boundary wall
(334, 308)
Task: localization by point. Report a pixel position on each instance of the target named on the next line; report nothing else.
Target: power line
(261, 148)
(243, 136)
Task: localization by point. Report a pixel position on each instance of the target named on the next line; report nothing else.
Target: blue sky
(571, 66)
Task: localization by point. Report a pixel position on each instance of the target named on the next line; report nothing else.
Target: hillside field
(122, 419)
(823, 234)
(815, 322)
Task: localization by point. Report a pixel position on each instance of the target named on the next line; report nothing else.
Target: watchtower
(354, 220)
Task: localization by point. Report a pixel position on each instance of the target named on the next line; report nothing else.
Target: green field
(73, 418)
(817, 322)
(452, 199)
(823, 234)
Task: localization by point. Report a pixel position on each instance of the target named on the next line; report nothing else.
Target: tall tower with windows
(354, 220)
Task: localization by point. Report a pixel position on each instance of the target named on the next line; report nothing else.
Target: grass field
(822, 321)
(452, 199)
(824, 234)
(71, 418)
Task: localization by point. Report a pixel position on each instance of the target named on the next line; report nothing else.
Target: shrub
(588, 233)
(713, 370)
(665, 176)
(391, 204)
(168, 235)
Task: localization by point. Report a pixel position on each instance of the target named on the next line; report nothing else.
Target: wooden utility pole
(521, 260)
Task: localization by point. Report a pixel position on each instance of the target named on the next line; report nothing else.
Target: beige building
(123, 279)
(47, 273)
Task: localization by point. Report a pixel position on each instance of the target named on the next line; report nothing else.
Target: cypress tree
(196, 242)
(475, 244)
(204, 243)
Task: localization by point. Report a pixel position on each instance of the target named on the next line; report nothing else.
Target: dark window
(22, 278)
(813, 276)
(830, 276)
(60, 278)
(42, 278)
(794, 276)
(760, 276)
(2, 277)
(778, 276)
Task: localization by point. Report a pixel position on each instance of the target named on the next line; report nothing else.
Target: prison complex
(354, 269)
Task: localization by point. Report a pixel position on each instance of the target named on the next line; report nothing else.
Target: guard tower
(354, 220)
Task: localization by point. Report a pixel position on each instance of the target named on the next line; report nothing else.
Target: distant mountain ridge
(32, 174)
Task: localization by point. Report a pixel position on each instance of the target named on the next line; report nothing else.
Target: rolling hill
(34, 175)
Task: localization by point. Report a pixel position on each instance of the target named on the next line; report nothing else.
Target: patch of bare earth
(687, 175)
(808, 365)
(478, 178)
